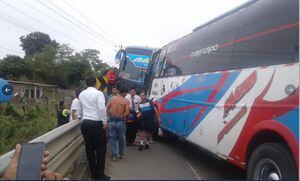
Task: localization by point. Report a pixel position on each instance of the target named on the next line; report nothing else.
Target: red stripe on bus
(250, 37)
(259, 34)
(211, 97)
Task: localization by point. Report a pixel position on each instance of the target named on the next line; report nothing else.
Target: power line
(91, 21)
(26, 27)
(41, 22)
(13, 20)
(56, 12)
(41, 12)
(19, 26)
(67, 19)
(80, 23)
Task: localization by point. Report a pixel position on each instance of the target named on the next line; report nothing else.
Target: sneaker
(146, 147)
(120, 157)
(141, 148)
(113, 159)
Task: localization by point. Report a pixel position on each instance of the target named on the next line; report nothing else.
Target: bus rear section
(232, 88)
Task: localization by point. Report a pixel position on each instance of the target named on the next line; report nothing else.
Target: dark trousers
(95, 145)
(131, 129)
(130, 132)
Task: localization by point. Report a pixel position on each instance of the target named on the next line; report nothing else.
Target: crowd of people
(118, 117)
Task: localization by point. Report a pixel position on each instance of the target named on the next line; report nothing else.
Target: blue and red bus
(232, 88)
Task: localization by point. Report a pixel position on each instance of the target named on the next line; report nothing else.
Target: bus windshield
(135, 66)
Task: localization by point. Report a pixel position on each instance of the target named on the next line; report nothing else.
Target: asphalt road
(171, 159)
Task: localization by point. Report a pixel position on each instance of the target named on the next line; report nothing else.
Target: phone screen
(30, 161)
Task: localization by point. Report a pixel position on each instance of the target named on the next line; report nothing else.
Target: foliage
(14, 67)
(63, 53)
(75, 71)
(48, 62)
(92, 56)
(35, 42)
(35, 122)
(10, 111)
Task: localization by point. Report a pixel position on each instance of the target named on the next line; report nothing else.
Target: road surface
(171, 159)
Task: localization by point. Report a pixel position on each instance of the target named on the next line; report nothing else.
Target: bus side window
(279, 47)
(170, 69)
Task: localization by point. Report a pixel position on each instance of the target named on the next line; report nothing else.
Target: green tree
(92, 56)
(76, 70)
(43, 66)
(14, 67)
(63, 53)
(35, 42)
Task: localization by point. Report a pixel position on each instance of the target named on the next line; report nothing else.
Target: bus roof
(140, 47)
(244, 5)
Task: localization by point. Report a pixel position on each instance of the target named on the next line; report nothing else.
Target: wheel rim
(267, 169)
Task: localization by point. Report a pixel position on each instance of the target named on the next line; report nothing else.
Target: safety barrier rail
(64, 144)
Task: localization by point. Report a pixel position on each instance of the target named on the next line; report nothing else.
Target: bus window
(159, 65)
(272, 44)
(170, 69)
(207, 49)
(156, 67)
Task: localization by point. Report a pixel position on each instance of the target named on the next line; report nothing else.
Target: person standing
(76, 107)
(63, 114)
(146, 113)
(93, 128)
(132, 123)
(114, 91)
(118, 109)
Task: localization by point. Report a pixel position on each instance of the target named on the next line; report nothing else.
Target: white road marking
(193, 170)
(190, 165)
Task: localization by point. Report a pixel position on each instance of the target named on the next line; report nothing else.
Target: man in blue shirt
(146, 113)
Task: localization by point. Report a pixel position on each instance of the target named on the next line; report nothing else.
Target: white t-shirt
(75, 106)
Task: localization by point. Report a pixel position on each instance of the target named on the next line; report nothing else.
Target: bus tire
(271, 161)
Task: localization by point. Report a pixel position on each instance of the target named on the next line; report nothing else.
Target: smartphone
(30, 161)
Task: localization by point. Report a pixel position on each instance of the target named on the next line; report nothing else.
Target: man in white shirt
(93, 128)
(76, 110)
(132, 124)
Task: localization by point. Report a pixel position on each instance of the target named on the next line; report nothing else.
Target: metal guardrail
(64, 144)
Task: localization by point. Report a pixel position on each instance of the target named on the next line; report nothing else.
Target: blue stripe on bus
(181, 122)
(291, 120)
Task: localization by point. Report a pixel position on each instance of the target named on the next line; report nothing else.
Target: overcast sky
(110, 22)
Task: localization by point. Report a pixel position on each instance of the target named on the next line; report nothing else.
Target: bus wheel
(271, 161)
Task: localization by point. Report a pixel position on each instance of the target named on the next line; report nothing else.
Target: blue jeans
(117, 134)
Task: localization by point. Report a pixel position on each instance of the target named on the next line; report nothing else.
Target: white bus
(232, 88)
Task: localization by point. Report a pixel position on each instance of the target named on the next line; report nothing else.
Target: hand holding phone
(30, 161)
